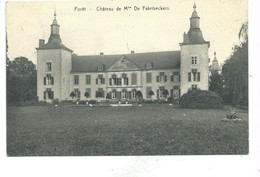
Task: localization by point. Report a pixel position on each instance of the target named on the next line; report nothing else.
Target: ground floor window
(134, 93)
(194, 87)
(124, 94)
(48, 94)
(77, 93)
(113, 94)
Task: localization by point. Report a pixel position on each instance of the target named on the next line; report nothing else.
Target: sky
(117, 32)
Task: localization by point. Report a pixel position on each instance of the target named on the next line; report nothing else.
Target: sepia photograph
(127, 78)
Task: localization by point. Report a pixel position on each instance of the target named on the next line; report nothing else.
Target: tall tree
(235, 70)
(21, 80)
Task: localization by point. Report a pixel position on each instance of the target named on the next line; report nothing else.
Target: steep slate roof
(54, 42)
(160, 60)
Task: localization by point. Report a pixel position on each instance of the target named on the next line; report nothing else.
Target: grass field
(146, 130)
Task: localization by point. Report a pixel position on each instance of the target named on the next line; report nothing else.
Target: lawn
(146, 130)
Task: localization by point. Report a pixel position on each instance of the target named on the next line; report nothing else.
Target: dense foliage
(201, 99)
(235, 72)
(21, 80)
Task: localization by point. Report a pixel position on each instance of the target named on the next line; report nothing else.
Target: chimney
(101, 53)
(185, 38)
(132, 52)
(41, 43)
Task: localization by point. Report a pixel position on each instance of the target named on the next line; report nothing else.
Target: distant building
(214, 68)
(60, 72)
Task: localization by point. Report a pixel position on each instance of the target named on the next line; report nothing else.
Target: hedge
(201, 99)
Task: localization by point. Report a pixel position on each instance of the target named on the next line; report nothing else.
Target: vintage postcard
(127, 78)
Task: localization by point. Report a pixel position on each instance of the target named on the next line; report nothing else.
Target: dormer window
(149, 65)
(101, 67)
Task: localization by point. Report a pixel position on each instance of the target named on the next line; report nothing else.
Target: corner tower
(53, 67)
(194, 57)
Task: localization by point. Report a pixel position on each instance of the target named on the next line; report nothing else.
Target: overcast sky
(112, 32)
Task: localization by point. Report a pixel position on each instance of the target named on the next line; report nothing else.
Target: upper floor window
(76, 79)
(134, 79)
(148, 77)
(49, 66)
(161, 78)
(48, 80)
(100, 79)
(88, 79)
(193, 60)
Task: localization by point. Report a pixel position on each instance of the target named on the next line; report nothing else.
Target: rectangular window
(176, 87)
(157, 79)
(165, 78)
(194, 87)
(76, 79)
(171, 92)
(96, 80)
(198, 76)
(77, 93)
(148, 89)
(161, 78)
(101, 91)
(119, 81)
(161, 91)
(125, 81)
(110, 81)
(88, 90)
(189, 77)
(194, 76)
(158, 93)
(103, 80)
(193, 60)
(172, 78)
(48, 80)
(49, 68)
(148, 77)
(88, 79)
(134, 79)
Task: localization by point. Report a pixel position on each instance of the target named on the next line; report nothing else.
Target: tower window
(49, 67)
(193, 60)
(189, 77)
(194, 87)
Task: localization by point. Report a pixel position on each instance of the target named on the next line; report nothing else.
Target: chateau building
(60, 72)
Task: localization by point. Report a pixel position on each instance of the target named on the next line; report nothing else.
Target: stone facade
(119, 77)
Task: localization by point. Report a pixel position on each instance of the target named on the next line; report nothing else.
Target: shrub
(170, 100)
(201, 99)
(92, 102)
(55, 101)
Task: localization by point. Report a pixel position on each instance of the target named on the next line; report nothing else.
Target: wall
(201, 51)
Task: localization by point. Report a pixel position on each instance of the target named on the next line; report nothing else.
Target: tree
(151, 93)
(216, 83)
(72, 94)
(108, 96)
(86, 94)
(21, 80)
(139, 94)
(99, 94)
(165, 93)
(235, 71)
